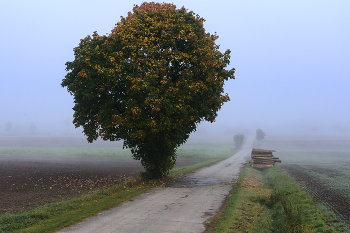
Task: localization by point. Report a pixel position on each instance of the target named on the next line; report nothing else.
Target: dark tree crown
(149, 82)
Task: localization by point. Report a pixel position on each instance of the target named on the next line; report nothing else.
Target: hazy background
(292, 61)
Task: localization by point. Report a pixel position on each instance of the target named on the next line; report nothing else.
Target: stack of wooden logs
(263, 158)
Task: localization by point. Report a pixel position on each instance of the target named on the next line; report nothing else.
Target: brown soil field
(27, 181)
(319, 191)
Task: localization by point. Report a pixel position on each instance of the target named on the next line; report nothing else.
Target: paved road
(185, 206)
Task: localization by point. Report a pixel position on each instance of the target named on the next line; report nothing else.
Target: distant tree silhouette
(238, 140)
(260, 135)
(33, 128)
(8, 127)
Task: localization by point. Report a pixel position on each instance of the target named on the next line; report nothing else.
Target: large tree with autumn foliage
(149, 82)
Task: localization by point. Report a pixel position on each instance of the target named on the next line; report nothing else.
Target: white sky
(292, 61)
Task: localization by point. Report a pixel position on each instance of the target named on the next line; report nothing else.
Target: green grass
(245, 206)
(269, 201)
(204, 151)
(54, 216)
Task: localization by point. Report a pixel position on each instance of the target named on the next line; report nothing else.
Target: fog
(291, 58)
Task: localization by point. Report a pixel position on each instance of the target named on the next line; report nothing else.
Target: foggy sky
(292, 61)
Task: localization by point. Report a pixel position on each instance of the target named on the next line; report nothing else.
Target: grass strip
(55, 216)
(269, 201)
(245, 205)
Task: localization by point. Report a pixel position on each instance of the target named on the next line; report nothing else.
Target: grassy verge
(55, 216)
(269, 201)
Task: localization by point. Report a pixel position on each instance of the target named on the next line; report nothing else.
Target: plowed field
(319, 189)
(26, 181)
(29, 180)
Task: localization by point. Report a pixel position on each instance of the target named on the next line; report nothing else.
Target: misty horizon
(291, 60)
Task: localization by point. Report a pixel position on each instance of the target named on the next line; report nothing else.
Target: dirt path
(184, 206)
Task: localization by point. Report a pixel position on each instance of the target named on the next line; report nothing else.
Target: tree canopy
(238, 139)
(149, 82)
(260, 135)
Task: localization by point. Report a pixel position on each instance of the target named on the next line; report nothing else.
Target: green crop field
(78, 147)
(185, 151)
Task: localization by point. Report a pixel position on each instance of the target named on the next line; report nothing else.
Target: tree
(238, 140)
(33, 128)
(260, 135)
(149, 82)
(8, 127)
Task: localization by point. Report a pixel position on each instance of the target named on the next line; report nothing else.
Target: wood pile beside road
(263, 158)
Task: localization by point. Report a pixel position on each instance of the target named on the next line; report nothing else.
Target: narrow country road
(185, 206)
